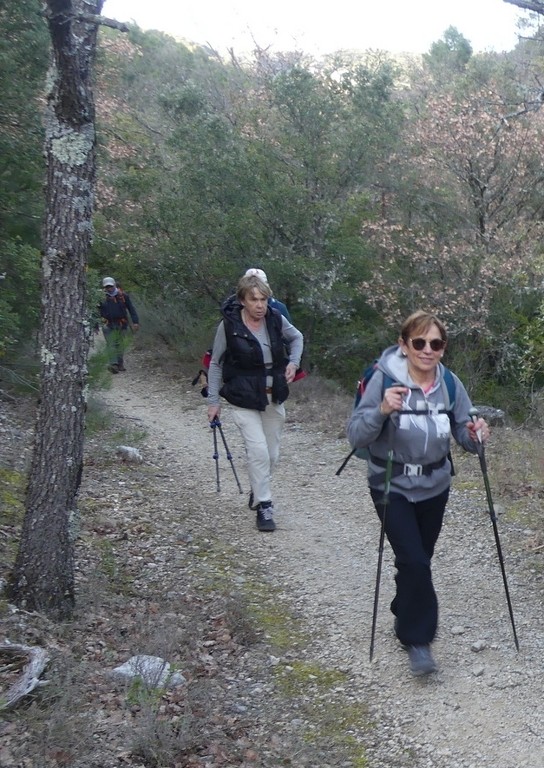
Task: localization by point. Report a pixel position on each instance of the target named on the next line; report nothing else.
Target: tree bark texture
(43, 576)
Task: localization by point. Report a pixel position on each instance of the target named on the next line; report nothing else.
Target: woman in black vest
(250, 370)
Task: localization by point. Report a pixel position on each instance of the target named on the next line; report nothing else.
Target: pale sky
(318, 28)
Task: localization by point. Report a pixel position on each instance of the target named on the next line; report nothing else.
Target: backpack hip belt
(414, 470)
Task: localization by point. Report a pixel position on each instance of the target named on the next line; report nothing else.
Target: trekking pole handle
(473, 413)
(396, 385)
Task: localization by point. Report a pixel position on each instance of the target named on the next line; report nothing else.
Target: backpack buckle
(413, 470)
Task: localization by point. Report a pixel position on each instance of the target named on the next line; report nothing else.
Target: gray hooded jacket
(416, 439)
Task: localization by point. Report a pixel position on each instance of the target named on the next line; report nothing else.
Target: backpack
(202, 376)
(119, 298)
(448, 383)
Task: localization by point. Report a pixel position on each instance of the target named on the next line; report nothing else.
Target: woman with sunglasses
(414, 419)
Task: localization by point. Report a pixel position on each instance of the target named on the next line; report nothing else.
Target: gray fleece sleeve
(215, 371)
(294, 339)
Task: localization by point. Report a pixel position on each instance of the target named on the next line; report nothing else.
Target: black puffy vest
(244, 373)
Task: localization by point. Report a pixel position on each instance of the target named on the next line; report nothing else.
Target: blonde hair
(249, 283)
(419, 323)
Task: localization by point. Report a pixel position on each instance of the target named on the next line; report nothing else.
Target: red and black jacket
(115, 310)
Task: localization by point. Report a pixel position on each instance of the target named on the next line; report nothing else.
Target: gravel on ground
(295, 686)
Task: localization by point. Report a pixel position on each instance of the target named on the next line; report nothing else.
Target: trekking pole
(481, 455)
(216, 423)
(343, 464)
(215, 454)
(385, 502)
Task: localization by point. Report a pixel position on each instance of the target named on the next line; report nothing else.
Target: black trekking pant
(412, 529)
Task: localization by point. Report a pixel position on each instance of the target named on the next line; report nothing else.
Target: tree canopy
(364, 185)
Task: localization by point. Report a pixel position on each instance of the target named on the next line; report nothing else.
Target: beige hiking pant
(261, 433)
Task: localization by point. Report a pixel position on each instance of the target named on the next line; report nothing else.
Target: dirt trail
(485, 706)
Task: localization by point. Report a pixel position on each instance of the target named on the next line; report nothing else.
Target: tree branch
(37, 659)
(105, 22)
(537, 6)
(91, 18)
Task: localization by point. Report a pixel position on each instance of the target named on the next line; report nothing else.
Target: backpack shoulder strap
(449, 383)
(449, 388)
(387, 382)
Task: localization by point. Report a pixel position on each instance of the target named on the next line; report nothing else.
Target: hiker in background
(272, 302)
(248, 358)
(115, 311)
(387, 420)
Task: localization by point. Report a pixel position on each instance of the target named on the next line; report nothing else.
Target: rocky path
(485, 706)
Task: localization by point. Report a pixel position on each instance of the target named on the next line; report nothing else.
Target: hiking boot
(121, 367)
(265, 521)
(114, 368)
(251, 503)
(421, 660)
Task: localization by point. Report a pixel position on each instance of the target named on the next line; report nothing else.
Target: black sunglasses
(435, 344)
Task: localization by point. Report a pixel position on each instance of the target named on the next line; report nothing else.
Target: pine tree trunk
(43, 577)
